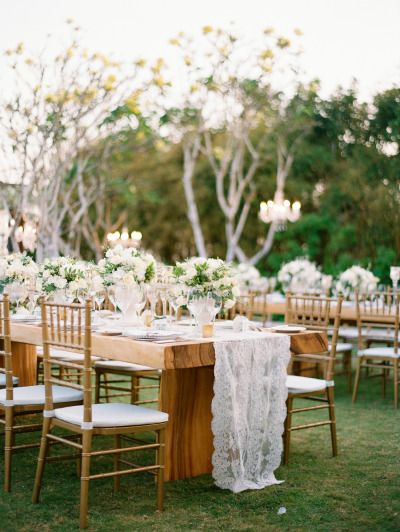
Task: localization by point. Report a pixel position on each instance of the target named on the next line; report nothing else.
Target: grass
(358, 490)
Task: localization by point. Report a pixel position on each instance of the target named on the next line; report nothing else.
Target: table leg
(24, 363)
(186, 395)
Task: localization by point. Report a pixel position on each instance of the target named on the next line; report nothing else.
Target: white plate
(224, 324)
(289, 328)
(108, 332)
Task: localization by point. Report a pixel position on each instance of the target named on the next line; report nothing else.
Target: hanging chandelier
(124, 239)
(279, 211)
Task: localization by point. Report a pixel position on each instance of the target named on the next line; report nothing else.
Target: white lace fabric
(249, 409)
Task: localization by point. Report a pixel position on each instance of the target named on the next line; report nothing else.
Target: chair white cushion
(119, 365)
(65, 355)
(34, 395)
(297, 384)
(341, 347)
(112, 415)
(349, 333)
(378, 352)
(3, 380)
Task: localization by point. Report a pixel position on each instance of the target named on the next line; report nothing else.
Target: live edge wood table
(186, 385)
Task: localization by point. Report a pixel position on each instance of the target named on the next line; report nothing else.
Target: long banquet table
(278, 307)
(186, 385)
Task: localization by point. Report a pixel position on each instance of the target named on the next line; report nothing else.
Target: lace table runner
(249, 409)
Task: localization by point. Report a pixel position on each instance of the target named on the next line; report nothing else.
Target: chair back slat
(5, 336)
(62, 327)
(379, 311)
(244, 305)
(314, 313)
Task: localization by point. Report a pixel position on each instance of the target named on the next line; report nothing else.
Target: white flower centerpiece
(249, 277)
(127, 266)
(124, 272)
(301, 276)
(213, 283)
(62, 277)
(18, 269)
(356, 278)
(19, 277)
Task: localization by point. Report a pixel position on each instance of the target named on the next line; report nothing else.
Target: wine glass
(111, 296)
(196, 303)
(152, 296)
(395, 276)
(122, 298)
(18, 293)
(176, 299)
(33, 297)
(139, 300)
(214, 303)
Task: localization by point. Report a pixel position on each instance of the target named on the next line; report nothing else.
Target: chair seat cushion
(378, 352)
(348, 333)
(34, 395)
(3, 380)
(297, 384)
(124, 366)
(112, 415)
(65, 355)
(342, 347)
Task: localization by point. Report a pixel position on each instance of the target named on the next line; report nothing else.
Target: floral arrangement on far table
(127, 266)
(301, 276)
(62, 273)
(18, 268)
(356, 278)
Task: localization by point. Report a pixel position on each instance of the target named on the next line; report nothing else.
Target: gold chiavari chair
(378, 310)
(313, 313)
(5, 343)
(127, 380)
(23, 401)
(90, 420)
(244, 306)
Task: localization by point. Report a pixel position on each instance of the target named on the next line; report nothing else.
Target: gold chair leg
(44, 444)
(160, 472)
(332, 417)
(106, 389)
(384, 373)
(349, 370)
(97, 388)
(8, 447)
(357, 379)
(86, 449)
(396, 382)
(134, 389)
(117, 457)
(287, 432)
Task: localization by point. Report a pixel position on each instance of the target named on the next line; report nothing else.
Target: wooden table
(186, 386)
(348, 313)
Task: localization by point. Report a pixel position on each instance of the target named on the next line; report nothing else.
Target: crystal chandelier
(124, 239)
(279, 211)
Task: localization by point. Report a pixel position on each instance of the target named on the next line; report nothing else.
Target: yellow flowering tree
(59, 125)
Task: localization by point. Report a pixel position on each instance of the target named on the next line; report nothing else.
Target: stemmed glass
(33, 296)
(214, 303)
(176, 299)
(18, 293)
(395, 276)
(152, 296)
(98, 298)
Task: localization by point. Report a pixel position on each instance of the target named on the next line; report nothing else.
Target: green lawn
(358, 490)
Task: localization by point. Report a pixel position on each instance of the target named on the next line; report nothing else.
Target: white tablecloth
(249, 409)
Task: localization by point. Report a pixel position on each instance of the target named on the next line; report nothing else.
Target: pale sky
(342, 38)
